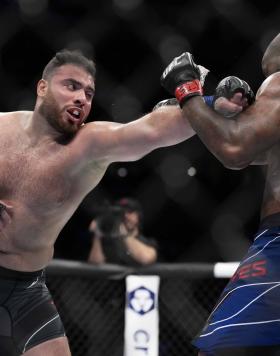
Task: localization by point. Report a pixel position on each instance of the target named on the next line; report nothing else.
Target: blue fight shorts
(248, 311)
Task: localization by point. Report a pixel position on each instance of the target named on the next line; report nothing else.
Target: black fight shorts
(28, 315)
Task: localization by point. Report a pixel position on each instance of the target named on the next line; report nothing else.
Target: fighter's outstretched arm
(236, 143)
(117, 142)
(164, 126)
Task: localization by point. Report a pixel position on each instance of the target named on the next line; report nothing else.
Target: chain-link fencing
(91, 302)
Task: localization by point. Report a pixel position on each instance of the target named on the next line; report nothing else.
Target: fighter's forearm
(170, 126)
(219, 134)
(133, 140)
(233, 142)
(166, 126)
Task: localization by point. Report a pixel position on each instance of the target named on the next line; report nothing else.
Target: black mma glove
(231, 85)
(183, 78)
(226, 88)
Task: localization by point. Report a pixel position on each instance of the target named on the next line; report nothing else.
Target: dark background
(208, 216)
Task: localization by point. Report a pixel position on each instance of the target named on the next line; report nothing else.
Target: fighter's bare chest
(33, 176)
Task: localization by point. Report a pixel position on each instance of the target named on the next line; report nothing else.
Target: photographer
(117, 238)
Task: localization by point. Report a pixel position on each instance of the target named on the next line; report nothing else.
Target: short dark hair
(66, 56)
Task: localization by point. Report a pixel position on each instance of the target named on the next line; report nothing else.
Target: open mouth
(76, 115)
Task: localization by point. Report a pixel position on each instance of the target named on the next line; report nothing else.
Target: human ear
(42, 87)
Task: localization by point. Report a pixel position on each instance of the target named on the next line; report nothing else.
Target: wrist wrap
(209, 100)
(187, 90)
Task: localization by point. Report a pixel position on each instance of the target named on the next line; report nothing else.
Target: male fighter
(246, 319)
(50, 160)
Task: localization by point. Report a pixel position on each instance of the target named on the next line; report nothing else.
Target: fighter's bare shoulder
(101, 129)
(98, 137)
(271, 86)
(15, 114)
(103, 125)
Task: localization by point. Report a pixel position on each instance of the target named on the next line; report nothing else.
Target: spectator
(117, 238)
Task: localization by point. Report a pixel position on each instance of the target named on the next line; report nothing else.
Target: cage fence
(91, 302)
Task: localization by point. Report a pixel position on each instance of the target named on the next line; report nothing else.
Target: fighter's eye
(89, 95)
(71, 86)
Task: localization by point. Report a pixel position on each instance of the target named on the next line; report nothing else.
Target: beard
(50, 110)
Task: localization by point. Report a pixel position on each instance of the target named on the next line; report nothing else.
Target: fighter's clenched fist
(183, 77)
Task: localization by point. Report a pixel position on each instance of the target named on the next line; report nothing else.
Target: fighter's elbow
(234, 157)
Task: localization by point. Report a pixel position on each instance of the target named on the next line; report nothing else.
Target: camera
(109, 221)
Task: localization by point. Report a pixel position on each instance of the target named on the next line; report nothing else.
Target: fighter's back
(270, 92)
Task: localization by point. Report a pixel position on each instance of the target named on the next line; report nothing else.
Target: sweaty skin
(252, 137)
(49, 162)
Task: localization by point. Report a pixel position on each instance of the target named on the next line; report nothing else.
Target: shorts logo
(255, 269)
(141, 300)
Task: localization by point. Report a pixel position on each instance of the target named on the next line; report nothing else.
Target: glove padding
(231, 85)
(226, 88)
(166, 102)
(182, 77)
